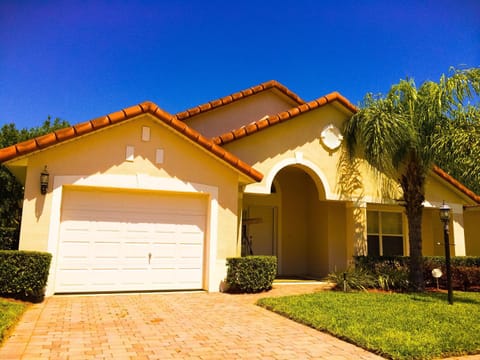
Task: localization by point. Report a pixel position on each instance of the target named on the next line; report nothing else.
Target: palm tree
(396, 134)
(459, 152)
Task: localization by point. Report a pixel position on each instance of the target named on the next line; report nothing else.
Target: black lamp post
(445, 218)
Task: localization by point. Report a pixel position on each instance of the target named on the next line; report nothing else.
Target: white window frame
(381, 234)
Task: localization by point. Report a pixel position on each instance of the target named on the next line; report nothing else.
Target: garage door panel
(117, 241)
(187, 251)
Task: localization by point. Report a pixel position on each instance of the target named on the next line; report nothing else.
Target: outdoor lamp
(445, 213)
(445, 218)
(44, 177)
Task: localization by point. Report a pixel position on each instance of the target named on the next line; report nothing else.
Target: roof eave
(457, 184)
(24, 149)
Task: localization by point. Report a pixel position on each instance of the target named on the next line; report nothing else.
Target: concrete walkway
(169, 326)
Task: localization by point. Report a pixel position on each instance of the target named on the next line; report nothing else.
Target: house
(142, 199)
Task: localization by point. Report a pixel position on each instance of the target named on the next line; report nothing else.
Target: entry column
(356, 229)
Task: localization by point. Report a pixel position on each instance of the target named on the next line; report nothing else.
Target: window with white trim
(385, 233)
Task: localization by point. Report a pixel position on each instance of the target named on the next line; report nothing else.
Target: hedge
(251, 274)
(465, 269)
(24, 274)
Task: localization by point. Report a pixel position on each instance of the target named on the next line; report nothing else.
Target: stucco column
(356, 229)
(458, 230)
(241, 190)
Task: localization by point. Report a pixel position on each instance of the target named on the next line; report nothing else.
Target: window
(384, 233)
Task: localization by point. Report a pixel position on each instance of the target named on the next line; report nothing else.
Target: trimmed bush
(24, 274)
(251, 274)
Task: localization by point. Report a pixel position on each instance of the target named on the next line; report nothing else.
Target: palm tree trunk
(413, 185)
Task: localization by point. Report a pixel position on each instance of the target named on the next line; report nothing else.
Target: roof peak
(213, 104)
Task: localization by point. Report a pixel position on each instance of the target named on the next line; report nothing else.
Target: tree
(11, 190)
(397, 134)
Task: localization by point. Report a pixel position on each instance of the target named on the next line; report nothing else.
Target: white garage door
(130, 241)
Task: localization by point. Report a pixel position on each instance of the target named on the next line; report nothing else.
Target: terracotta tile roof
(456, 184)
(272, 84)
(59, 136)
(283, 116)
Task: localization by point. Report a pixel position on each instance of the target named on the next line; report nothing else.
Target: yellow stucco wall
(432, 233)
(472, 232)
(104, 153)
(287, 141)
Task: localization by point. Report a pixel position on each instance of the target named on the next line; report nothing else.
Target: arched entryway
(293, 222)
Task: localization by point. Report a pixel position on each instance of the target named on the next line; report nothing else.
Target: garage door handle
(149, 257)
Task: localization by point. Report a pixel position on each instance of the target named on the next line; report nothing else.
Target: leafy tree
(397, 134)
(11, 190)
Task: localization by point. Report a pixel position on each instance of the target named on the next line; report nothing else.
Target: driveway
(169, 326)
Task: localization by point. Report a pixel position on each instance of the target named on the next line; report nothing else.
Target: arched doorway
(291, 222)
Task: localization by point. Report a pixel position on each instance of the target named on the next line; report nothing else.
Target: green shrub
(352, 279)
(251, 274)
(24, 274)
(9, 238)
(392, 271)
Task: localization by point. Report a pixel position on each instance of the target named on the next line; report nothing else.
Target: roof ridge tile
(213, 104)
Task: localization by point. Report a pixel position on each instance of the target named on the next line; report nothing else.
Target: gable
(137, 147)
(335, 99)
(17, 155)
(231, 112)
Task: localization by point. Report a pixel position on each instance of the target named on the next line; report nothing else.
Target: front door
(261, 229)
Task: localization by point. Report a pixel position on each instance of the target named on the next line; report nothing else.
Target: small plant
(391, 276)
(352, 279)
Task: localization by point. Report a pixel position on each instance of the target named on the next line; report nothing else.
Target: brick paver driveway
(169, 326)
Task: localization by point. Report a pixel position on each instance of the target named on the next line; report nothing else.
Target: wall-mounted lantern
(44, 177)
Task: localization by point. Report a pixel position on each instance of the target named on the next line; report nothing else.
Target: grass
(10, 312)
(396, 326)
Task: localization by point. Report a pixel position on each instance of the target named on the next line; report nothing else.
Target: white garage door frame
(214, 268)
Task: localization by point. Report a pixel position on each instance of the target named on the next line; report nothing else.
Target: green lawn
(10, 312)
(397, 326)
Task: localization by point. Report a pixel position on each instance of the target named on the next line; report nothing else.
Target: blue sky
(78, 60)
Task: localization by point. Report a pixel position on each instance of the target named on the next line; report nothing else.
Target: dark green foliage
(465, 272)
(391, 272)
(251, 274)
(11, 190)
(352, 279)
(24, 274)
(9, 238)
